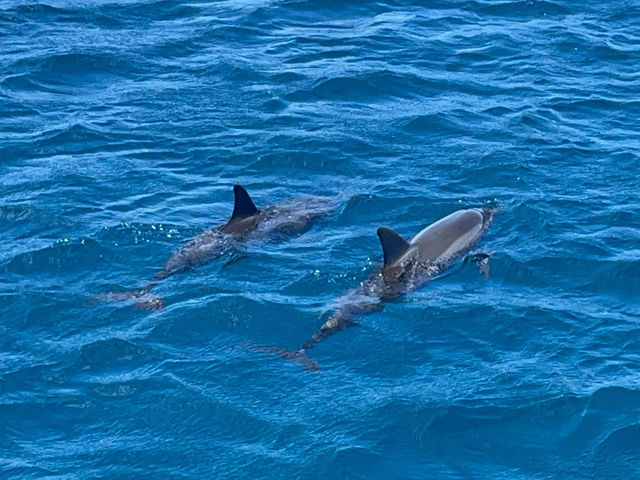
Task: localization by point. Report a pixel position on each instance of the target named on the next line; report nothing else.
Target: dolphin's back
(449, 235)
(407, 266)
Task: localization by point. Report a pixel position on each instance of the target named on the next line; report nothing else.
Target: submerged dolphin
(246, 222)
(407, 266)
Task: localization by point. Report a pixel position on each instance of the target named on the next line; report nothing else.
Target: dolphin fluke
(299, 356)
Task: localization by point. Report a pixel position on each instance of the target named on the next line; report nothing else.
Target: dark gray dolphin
(246, 222)
(407, 266)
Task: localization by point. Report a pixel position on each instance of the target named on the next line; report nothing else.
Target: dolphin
(247, 222)
(407, 265)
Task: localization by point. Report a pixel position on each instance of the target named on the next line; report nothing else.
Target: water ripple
(123, 127)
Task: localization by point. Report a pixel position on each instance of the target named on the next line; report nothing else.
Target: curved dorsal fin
(243, 206)
(393, 245)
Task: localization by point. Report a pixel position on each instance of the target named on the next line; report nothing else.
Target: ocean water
(124, 126)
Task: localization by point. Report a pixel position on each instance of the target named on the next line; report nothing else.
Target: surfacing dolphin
(407, 266)
(247, 222)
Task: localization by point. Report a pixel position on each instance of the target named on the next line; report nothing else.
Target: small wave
(618, 452)
(65, 255)
(365, 87)
(109, 15)
(155, 10)
(436, 124)
(16, 110)
(77, 133)
(318, 57)
(114, 353)
(62, 72)
(522, 9)
(274, 106)
(17, 212)
(135, 233)
(38, 9)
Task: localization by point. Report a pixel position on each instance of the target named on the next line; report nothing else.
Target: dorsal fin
(243, 206)
(393, 245)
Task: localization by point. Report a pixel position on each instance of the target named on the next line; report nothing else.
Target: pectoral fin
(481, 260)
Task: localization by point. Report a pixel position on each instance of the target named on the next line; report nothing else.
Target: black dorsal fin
(393, 245)
(243, 206)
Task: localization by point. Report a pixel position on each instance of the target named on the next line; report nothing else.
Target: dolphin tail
(141, 299)
(299, 356)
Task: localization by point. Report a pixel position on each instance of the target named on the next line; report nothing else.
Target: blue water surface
(123, 127)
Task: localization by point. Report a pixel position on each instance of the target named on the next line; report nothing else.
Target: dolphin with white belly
(247, 222)
(407, 266)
